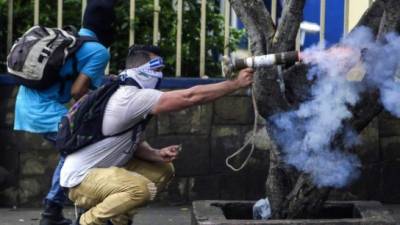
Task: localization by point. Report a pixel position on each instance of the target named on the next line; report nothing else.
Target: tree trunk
(292, 194)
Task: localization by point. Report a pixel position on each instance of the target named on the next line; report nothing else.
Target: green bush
(23, 19)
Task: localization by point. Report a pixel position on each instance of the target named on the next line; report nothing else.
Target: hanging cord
(250, 140)
(76, 211)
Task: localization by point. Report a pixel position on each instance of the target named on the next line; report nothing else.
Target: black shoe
(52, 215)
(45, 220)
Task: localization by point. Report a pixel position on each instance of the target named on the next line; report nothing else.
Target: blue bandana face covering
(156, 63)
(146, 75)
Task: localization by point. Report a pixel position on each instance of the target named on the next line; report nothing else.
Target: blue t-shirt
(40, 111)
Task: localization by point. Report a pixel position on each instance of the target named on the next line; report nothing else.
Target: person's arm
(80, 86)
(148, 153)
(182, 99)
(91, 73)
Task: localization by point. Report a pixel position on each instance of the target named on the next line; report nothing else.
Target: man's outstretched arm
(182, 99)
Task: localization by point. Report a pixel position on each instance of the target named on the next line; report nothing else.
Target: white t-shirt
(126, 107)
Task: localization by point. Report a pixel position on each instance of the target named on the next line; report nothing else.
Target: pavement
(395, 211)
(150, 215)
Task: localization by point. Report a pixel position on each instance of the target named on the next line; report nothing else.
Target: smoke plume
(358, 63)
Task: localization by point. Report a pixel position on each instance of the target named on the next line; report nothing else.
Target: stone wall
(209, 134)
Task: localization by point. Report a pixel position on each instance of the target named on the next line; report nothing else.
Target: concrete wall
(209, 134)
(26, 156)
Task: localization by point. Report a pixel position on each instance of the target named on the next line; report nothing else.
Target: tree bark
(292, 194)
(373, 16)
(258, 22)
(391, 18)
(269, 86)
(286, 34)
(305, 199)
(279, 181)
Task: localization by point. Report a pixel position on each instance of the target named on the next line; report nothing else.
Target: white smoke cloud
(382, 61)
(306, 134)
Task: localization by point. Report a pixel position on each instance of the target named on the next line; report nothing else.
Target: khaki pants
(115, 193)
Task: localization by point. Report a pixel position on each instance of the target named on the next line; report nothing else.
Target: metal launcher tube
(232, 65)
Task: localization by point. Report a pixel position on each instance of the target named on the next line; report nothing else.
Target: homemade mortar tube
(236, 64)
(266, 60)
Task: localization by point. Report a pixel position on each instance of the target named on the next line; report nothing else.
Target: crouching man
(113, 177)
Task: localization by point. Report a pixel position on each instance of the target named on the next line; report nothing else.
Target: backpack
(37, 57)
(82, 125)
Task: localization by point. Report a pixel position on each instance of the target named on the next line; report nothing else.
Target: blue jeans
(56, 193)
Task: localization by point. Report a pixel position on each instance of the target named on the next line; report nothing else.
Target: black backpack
(82, 125)
(36, 58)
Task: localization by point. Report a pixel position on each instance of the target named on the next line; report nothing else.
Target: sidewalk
(151, 215)
(395, 211)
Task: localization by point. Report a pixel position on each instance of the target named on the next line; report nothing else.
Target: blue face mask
(156, 64)
(152, 68)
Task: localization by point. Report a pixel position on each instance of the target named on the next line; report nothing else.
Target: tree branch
(296, 83)
(258, 22)
(285, 36)
(271, 89)
(269, 93)
(391, 18)
(372, 17)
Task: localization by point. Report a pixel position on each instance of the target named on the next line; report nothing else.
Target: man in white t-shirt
(113, 177)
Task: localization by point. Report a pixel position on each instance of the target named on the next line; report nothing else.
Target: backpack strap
(80, 40)
(142, 122)
(81, 127)
(130, 82)
(83, 38)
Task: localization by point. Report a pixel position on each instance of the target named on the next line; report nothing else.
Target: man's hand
(169, 154)
(245, 77)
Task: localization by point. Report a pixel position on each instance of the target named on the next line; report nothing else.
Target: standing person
(114, 176)
(40, 111)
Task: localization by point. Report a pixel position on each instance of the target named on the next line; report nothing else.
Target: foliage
(143, 25)
(23, 19)
(3, 33)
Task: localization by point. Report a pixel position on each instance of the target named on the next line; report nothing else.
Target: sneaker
(49, 221)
